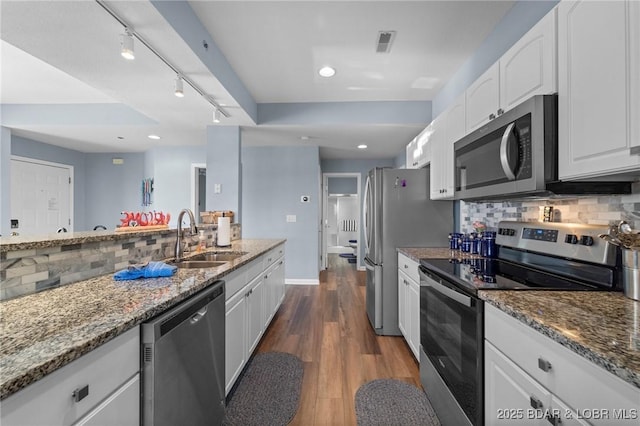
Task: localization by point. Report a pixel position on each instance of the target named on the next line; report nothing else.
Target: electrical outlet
(217, 188)
(291, 218)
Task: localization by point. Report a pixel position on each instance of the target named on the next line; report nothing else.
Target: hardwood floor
(327, 327)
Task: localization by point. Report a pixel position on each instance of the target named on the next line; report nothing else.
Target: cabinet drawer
(272, 255)
(255, 268)
(49, 401)
(235, 281)
(409, 267)
(578, 382)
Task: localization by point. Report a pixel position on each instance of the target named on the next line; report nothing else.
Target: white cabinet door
(483, 99)
(255, 312)
(413, 315)
(278, 278)
(412, 154)
(122, 408)
(529, 67)
(442, 166)
(596, 88)
(402, 309)
(511, 396)
(235, 338)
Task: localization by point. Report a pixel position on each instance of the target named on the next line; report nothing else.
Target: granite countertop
(45, 331)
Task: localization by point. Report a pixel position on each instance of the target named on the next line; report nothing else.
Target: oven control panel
(539, 234)
(567, 240)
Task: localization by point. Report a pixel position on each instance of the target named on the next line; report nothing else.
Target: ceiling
(63, 81)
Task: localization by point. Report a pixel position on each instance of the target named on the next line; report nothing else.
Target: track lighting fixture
(179, 91)
(126, 45)
(216, 115)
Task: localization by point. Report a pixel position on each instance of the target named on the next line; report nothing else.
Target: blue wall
(274, 179)
(171, 172)
(112, 188)
(5, 177)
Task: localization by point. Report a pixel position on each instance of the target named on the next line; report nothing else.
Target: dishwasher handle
(198, 316)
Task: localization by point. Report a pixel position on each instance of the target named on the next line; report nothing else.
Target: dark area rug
(268, 392)
(393, 402)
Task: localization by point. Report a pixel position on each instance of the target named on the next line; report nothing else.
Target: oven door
(451, 335)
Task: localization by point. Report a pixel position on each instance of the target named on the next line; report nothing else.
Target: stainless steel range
(531, 256)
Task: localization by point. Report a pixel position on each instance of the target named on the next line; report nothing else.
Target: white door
(40, 197)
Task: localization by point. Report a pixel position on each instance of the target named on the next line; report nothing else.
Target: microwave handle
(504, 158)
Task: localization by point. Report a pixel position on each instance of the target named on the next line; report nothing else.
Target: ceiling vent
(385, 38)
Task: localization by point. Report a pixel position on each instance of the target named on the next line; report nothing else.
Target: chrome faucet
(193, 230)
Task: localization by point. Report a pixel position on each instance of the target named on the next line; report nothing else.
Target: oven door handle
(451, 294)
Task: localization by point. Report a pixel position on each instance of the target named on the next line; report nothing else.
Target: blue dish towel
(150, 270)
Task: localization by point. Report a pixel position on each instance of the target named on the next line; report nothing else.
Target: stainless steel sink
(208, 260)
(222, 256)
(199, 263)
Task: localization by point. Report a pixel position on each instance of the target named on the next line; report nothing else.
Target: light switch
(217, 188)
(291, 218)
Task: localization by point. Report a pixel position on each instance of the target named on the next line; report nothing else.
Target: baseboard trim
(302, 281)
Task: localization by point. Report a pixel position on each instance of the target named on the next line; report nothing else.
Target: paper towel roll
(224, 231)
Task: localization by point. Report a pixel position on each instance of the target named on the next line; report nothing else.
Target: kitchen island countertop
(603, 327)
(45, 331)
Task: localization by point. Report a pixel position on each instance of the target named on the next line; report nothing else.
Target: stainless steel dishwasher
(183, 362)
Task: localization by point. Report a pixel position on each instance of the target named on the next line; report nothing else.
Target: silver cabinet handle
(535, 402)
(504, 157)
(80, 393)
(544, 365)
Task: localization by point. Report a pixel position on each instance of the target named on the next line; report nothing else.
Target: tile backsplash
(602, 210)
(36, 269)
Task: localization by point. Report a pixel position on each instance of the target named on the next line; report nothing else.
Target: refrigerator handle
(368, 264)
(365, 215)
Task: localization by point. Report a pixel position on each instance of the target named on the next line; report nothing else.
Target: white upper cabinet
(446, 130)
(528, 68)
(419, 151)
(483, 98)
(598, 88)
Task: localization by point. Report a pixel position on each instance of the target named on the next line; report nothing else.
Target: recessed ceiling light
(304, 138)
(363, 146)
(155, 137)
(327, 71)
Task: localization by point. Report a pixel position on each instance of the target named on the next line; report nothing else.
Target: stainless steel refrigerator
(397, 212)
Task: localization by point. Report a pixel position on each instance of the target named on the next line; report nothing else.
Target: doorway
(341, 216)
(41, 197)
(198, 189)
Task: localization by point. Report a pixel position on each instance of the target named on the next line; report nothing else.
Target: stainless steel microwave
(516, 155)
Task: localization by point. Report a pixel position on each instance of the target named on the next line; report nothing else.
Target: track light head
(126, 45)
(179, 90)
(216, 115)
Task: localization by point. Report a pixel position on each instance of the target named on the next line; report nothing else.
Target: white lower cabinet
(250, 308)
(531, 379)
(106, 381)
(409, 302)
